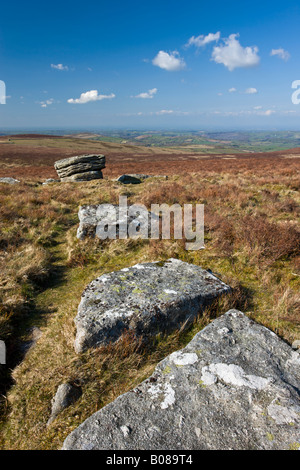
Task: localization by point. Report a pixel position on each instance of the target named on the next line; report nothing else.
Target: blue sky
(141, 64)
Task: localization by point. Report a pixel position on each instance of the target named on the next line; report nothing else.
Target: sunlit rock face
(80, 168)
(234, 386)
(147, 299)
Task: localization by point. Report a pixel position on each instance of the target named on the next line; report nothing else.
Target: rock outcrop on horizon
(146, 299)
(234, 386)
(80, 168)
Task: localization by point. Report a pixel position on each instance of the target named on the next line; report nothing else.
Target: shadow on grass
(25, 330)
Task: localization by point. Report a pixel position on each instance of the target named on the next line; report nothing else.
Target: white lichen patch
(138, 266)
(183, 359)
(207, 377)
(125, 430)
(170, 291)
(114, 314)
(169, 397)
(282, 414)
(168, 394)
(125, 269)
(232, 374)
(223, 331)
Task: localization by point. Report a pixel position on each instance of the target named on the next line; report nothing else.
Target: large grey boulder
(80, 168)
(90, 216)
(147, 299)
(234, 386)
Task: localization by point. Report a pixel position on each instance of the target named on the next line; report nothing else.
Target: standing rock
(65, 396)
(147, 299)
(80, 168)
(234, 386)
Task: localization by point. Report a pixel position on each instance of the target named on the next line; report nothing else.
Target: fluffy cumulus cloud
(251, 91)
(147, 95)
(88, 96)
(233, 55)
(59, 67)
(232, 90)
(171, 62)
(200, 41)
(281, 53)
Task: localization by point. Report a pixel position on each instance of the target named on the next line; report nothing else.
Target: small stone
(65, 396)
(9, 180)
(51, 180)
(296, 344)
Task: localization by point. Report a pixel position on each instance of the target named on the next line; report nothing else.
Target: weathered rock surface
(234, 386)
(91, 215)
(80, 168)
(65, 396)
(129, 179)
(296, 345)
(144, 177)
(138, 178)
(147, 298)
(51, 180)
(9, 180)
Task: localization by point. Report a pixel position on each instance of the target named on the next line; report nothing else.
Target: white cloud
(88, 96)
(46, 103)
(269, 112)
(281, 53)
(171, 111)
(232, 90)
(257, 111)
(147, 95)
(59, 67)
(165, 111)
(233, 55)
(200, 41)
(171, 62)
(251, 91)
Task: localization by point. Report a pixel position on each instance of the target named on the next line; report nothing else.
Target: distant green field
(208, 142)
(194, 141)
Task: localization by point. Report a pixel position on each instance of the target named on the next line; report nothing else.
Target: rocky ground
(247, 377)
